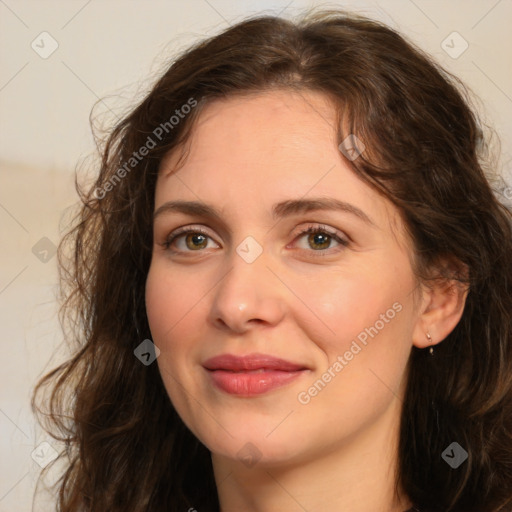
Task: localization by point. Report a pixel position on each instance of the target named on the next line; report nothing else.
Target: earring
(429, 338)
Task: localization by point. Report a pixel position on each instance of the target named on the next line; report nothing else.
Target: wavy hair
(126, 448)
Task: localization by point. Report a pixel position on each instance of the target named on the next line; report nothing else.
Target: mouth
(253, 374)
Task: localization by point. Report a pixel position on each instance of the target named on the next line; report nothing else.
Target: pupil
(320, 239)
(196, 240)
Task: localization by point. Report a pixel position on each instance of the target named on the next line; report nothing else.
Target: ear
(440, 311)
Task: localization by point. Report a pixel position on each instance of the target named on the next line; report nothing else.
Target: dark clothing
(418, 509)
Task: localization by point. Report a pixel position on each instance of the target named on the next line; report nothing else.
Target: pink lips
(253, 374)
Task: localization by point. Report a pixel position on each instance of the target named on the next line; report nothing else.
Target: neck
(358, 475)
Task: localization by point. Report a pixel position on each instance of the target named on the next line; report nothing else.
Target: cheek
(364, 316)
(160, 305)
(173, 308)
(364, 358)
(171, 304)
(344, 304)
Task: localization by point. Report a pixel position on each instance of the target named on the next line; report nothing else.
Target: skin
(338, 451)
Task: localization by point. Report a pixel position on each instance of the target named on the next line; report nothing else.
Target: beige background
(113, 49)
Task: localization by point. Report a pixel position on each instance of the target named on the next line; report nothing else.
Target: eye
(195, 238)
(320, 238)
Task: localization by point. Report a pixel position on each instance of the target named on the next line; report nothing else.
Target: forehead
(246, 153)
(241, 126)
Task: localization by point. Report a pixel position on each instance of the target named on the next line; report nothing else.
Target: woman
(343, 337)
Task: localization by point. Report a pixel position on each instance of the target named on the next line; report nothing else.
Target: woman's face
(336, 306)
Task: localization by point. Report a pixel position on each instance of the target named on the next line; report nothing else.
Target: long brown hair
(126, 447)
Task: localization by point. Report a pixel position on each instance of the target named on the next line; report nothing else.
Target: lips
(251, 362)
(251, 374)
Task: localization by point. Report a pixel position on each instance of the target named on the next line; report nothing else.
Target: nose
(249, 294)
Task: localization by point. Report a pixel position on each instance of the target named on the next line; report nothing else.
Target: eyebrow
(279, 210)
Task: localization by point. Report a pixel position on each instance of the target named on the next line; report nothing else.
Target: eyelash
(308, 230)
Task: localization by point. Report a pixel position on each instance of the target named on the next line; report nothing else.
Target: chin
(253, 450)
